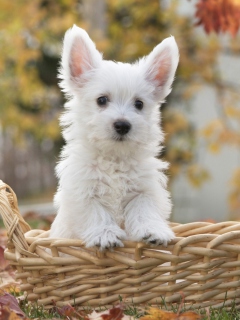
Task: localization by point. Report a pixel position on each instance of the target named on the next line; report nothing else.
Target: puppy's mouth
(120, 138)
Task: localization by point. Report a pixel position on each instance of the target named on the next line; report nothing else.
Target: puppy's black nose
(122, 127)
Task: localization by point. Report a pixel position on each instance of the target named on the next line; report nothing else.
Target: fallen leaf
(8, 284)
(69, 312)
(115, 313)
(189, 315)
(7, 275)
(3, 237)
(3, 263)
(11, 302)
(66, 311)
(159, 314)
(7, 314)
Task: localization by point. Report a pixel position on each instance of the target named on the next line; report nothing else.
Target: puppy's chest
(114, 184)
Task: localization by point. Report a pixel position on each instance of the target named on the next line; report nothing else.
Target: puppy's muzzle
(122, 127)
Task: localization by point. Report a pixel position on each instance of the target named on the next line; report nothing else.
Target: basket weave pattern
(202, 264)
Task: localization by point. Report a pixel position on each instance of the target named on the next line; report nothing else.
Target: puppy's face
(118, 102)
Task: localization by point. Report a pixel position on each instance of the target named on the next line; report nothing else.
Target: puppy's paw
(108, 239)
(161, 237)
(153, 235)
(105, 243)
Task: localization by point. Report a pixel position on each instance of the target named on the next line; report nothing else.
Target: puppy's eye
(138, 104)
(102, 101)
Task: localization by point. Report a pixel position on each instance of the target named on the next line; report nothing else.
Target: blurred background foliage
(31, 35)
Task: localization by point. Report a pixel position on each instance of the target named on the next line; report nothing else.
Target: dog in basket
(111, 185)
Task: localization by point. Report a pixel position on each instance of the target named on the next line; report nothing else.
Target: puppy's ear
(160, 67)
(79, 58)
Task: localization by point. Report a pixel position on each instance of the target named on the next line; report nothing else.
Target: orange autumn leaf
(7, 314)
(219, 15)
(158, 314)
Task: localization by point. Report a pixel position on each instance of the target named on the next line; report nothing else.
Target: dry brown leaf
(7, 314)
(70, 312)
(3, 237)
(7, 283)
(189, 315)
(3, 263)
(7, 276)
(158, 314)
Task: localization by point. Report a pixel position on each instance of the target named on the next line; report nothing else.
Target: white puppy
(111, 186)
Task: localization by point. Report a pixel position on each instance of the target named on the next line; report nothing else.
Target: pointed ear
(160, 67)
(79, 57)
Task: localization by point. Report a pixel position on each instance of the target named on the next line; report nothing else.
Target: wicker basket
(202, 264)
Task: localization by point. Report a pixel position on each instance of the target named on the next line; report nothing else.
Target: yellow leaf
(213, 128)
(214, 147)
(158, 314)
(197, 175)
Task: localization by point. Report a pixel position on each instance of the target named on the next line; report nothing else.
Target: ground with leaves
(9, 309)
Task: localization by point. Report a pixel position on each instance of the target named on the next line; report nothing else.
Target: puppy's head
(115, 104)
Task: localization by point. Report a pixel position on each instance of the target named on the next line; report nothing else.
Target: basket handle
(13, 221)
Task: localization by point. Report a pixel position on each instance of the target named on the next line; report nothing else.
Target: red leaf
(11, 302)
(115, 313)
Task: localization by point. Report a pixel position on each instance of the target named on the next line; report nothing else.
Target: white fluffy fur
(110, 190)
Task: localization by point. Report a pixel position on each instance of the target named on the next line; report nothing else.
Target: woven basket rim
(203, 261)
